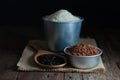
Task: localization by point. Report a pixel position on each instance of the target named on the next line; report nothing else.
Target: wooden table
(12, 44)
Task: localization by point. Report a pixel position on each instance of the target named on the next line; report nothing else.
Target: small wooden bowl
(40, 62)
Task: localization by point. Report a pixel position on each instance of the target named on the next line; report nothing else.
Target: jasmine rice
(62, 16)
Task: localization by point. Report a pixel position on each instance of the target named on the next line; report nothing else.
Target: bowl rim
(101, 51)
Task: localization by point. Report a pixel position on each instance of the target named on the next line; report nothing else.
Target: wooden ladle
(40, 53)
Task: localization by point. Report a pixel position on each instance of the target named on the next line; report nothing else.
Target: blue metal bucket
(62, 34)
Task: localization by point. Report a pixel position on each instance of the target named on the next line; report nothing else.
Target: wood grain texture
(73, 76)
(40, 76)
(8, 64)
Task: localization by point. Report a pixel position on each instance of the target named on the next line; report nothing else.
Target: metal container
(84, 62)
(62, 34)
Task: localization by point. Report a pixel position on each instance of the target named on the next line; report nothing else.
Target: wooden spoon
(41, 52)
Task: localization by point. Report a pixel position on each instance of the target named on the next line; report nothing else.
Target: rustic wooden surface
(13, 41)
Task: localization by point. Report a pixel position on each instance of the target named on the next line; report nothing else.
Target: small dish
(50, 60)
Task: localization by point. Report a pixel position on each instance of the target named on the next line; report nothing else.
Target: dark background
(21, 20)
(97, 13)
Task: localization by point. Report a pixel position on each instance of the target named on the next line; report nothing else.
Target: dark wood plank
(8, 62)
(8, 75)
(73, 76)
(114, 49)
(40, 76)
(93, 76)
